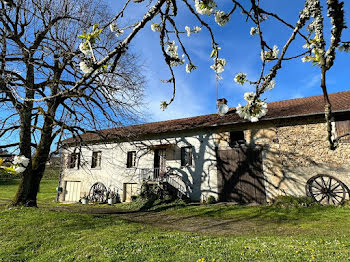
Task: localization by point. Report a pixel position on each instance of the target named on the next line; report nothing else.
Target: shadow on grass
(8, 182)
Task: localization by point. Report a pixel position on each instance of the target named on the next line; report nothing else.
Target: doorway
(159, 162)
(240, 175)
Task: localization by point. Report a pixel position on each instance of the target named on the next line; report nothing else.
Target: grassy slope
(266, 234)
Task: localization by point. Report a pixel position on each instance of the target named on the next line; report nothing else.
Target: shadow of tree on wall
(281, 174)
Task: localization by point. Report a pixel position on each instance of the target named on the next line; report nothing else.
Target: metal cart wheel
(326, 190)
(98, 193)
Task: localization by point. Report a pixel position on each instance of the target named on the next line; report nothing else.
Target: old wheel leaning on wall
(326, 190)
(98, 193)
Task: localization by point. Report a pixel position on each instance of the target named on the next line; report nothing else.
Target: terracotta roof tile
(282, 109)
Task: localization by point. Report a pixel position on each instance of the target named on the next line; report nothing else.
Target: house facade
(285, 153)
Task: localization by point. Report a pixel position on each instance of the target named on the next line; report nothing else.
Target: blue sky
(196, 92)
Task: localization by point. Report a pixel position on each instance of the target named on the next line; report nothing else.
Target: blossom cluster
(240, 78)
(268, 83)
(221, 18)
(270, 54)
(171, 50)
(253, 30)
(114, 29)
(205, 7)
(85, 48)
(255, 108)
(85, 68)
(20, 163)
(196, 29)
(190, 67)
(155, 27)
(219, 65)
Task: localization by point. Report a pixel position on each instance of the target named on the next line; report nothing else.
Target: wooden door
(72, 191)
(240, 176)
(130, 189)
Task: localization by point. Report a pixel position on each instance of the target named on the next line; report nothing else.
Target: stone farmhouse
(285, 153)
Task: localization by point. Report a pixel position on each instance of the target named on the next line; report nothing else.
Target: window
(342, 128)
(96, 159)
(74, 160)
(131, 160)
(186, 156)
(236, 138)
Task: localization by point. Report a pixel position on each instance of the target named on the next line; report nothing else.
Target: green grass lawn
(226, 233)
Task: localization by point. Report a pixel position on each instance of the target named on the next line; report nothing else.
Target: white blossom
(19, 169)
(221, 18)
(219, 65)
(270, 54)
(155, 27)
(253, 30)
(197, 29)
(171, 50)
(204, 7)
(85, 49)
(188, 30)
(275, 51)
(306, 46)
(271, 84)
(240, 78)
(249, 96)
(306, 59)
(85, 68)
(190, 67)
(113, 27)
(21, 160)
(119, 32)
(255, 108)
(254, 119)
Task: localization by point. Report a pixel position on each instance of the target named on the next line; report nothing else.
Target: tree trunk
(28, 189)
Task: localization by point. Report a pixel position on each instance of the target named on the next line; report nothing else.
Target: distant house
(285, 153)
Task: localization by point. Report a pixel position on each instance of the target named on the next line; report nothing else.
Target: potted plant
(112, 198)
(85, 200)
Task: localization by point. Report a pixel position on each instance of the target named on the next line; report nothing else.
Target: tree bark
(328, 109)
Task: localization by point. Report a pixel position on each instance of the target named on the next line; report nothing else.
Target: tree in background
(43, 93)
(35, 44)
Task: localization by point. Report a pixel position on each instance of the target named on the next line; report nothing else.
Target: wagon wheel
(326, 190)
(98, 193)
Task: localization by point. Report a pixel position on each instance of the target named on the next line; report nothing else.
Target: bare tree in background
(39, 65)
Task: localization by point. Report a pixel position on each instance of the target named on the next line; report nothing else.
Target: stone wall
(294, 153)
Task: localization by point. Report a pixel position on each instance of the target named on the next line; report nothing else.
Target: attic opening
(236, 138)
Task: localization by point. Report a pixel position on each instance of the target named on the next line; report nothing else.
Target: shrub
(150, 191)
(293, 201)
(211, 200)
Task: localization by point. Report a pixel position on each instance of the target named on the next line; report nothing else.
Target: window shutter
(131, 159)
(189, 156)
(343, 127)
(186, 156)
(183, 156)
(78, 160)
(94, 160)
(128, 160)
